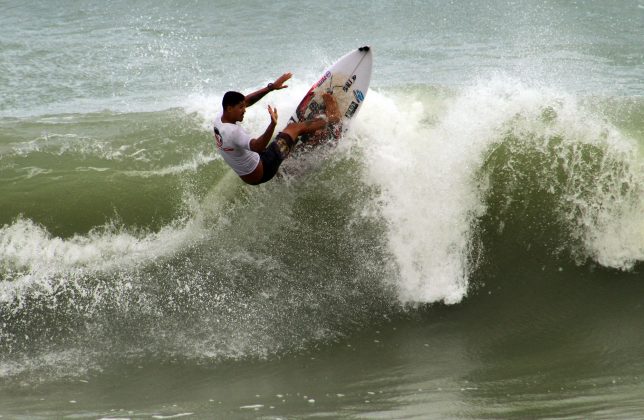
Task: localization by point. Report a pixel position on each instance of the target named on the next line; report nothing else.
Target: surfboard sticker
(348, 81)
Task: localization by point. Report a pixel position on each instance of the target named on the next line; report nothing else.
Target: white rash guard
(233, 143)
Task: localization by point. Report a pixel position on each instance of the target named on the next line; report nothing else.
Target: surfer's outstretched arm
(278, 84)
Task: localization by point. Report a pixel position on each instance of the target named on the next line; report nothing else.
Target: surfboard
(348, 81)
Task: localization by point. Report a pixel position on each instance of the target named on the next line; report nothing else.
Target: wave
(230, 286)
(493, 148)
(406, 211)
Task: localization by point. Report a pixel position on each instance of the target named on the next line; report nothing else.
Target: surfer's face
(238, 111)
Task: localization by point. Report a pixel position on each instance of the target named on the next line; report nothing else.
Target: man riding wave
(254, 159)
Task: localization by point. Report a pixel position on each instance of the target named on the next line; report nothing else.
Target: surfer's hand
(273, 113)
(279, 83)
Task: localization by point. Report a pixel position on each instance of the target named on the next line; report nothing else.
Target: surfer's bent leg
(284, 142)
(296, 129)
(275, 154)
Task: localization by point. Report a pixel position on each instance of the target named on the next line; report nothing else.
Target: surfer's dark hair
(232, 98)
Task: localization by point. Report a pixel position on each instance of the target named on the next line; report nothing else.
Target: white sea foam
(427, 194)
(619, 241)
(199, 160)
(171, 416)
(427, 170)
(32, 256)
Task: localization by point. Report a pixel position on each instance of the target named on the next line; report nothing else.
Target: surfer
(254, 159)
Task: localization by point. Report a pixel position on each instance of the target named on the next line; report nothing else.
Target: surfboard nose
(364, 49)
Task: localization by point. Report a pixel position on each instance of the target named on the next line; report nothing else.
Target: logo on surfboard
(351, 110)
(349, 82)
(323, 79)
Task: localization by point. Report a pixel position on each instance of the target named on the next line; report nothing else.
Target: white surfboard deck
(348, 81)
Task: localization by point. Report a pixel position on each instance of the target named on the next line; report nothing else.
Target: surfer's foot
(331, 106)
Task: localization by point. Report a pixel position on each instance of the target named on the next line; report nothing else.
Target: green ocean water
(472, 248)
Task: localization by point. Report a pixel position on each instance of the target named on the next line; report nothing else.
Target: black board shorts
(273, 156)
